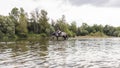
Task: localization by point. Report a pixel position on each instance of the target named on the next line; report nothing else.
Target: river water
(73, 53)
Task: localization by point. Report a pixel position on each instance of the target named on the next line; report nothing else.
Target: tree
(83, 30)
(73, 27)
(43, 23)
(62, 25)
(97, 28)
(84, 26)
(14, 16)
(2, 24)
(117, 32)
(33, 24)
(6, 27)
(22, 25)
(109, 30)
(10, 27)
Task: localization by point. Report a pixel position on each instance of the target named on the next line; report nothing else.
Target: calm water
(76, 53)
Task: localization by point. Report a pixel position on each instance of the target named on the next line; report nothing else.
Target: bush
(1, 35)
(43, 35)
(22, 35)
(98, 34)
(84, 32)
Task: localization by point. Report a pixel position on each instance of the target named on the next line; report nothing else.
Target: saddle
(59, 33)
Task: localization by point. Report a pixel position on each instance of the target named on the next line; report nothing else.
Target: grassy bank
(39, 37)
(88, 36)
(94, 35)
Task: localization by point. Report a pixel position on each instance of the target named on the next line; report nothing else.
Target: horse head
(55, 34)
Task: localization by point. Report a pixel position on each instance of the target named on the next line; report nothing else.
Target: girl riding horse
(59, 33)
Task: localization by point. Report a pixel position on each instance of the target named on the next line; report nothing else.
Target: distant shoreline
(78, 37)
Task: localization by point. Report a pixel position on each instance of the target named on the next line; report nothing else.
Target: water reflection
(76, 53)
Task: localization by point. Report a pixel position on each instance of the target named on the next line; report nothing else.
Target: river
(72, 53)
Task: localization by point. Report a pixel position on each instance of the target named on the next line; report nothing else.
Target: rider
(59, 32)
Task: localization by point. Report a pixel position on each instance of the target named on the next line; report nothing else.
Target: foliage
(98, 34)
(18, 24)
(109, 30)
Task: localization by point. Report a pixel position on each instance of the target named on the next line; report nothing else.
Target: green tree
(117, 32)
(63, 26)
(6, 27)
(33, 24)
(83, 30)
(9, 27)
(73, 27)
(2, 24)
(14, 16)
(19, 18)
(22, 25)
(109, 30)
(97, 28)
(43, 23)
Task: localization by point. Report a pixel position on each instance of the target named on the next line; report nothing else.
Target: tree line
(20, 24)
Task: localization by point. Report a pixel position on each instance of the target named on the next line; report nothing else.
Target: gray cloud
(92, 2)
(114, 3)
(101, 3)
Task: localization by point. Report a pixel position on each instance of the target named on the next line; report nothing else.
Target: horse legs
(52, 38)
(57, 37)
(64, 37)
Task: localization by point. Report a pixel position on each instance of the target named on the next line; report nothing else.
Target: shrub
(43, 35)
(98, 34)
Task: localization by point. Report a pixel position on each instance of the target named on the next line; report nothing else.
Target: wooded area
(18, 24)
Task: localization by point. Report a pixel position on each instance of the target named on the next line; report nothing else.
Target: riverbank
(38, 37)
(92, 37)
(86, 37)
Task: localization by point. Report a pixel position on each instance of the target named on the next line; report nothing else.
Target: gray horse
(61, 34)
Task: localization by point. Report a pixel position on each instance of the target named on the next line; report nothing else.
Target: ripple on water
(79, 53)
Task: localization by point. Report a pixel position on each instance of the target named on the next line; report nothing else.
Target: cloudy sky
(88, 11)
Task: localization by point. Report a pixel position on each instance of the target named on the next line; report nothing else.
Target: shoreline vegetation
(21, 25)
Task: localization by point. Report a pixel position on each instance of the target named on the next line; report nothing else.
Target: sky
(82, 11)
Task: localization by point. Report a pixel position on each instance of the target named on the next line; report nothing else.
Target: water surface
(76, 53)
